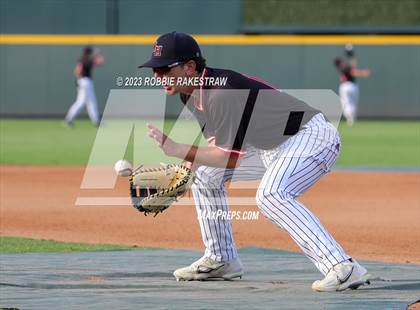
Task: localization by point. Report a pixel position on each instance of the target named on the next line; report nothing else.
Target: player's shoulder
(236, 88)
(222, 97)
(233, 79)
(236, 80)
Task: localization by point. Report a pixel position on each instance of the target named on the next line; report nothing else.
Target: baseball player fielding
(254, 131)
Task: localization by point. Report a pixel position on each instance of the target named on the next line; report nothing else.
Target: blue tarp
(142, 279)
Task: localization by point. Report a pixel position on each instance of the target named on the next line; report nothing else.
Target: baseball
(123, 168)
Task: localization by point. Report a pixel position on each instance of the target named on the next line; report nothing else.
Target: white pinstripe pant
(286, 172)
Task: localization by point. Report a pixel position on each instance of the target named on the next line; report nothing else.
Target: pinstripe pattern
(210, 195)
(287, 172)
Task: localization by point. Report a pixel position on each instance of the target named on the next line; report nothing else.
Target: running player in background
(349, 90)
(85, 91)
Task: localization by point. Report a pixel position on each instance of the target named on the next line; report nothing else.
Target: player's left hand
(169, 146)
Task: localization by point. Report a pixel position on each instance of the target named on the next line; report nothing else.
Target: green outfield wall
(119, 16)
(40, 42)
(36, 79)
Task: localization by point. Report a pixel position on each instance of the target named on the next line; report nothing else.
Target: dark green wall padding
(37, 80)
(119, 16)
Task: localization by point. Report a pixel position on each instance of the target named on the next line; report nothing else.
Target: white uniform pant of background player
(286, 171)
(349, 96)
(85, 96)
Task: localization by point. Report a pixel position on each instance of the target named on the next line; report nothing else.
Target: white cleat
(206, 268)
(348, 274)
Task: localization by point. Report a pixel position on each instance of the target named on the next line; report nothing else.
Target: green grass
(26, 245)
(46, 142)
(380, 143)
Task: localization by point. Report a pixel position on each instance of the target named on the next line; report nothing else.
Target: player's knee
(278, 198)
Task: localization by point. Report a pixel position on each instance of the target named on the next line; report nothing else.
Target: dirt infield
(373, 215)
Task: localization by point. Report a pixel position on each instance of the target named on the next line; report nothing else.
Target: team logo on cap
(157, 50)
